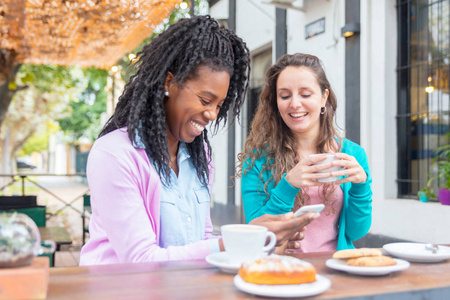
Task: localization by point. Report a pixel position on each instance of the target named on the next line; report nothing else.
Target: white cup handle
(272, 243)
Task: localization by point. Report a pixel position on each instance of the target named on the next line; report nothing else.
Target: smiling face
(299, 100)
(195, 103)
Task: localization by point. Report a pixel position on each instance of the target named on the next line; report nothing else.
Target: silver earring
(323, 110)
(166, 93)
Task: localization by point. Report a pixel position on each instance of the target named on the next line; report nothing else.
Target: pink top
(322, 233)
(125, 201)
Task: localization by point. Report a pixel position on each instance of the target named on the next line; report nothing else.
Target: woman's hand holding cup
(326, 167)
(350, 167)
(311, 171)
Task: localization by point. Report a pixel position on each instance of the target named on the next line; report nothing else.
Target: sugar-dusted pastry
(353, 253)
(371, 261)
(276, 270)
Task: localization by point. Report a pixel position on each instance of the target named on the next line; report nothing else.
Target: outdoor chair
(12, 202)
(86, 215)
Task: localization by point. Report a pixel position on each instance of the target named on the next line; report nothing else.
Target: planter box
(30, 282)
(444, 196)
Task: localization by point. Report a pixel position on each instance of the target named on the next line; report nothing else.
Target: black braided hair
(181, 49)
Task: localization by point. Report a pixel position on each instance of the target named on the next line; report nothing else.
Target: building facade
(388, 62)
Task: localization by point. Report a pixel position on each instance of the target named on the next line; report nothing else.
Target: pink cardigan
(125, 200)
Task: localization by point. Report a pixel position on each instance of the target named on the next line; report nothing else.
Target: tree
(127, 70)
(8, 71)
(86, 110)
(49, 90)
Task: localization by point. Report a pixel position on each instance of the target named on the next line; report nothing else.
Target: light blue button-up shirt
(184, 204)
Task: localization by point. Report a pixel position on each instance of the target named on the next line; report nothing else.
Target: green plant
(442, 161)
(8, 241)
(428, 190)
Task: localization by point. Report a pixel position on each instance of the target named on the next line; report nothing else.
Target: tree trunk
(8, 71)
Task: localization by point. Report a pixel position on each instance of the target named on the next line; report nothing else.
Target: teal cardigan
(356, 215)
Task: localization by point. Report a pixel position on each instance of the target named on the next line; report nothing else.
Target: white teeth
(197, 126)
(297, 115)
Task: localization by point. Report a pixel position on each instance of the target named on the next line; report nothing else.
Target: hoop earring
(166, 93)
(323, 110)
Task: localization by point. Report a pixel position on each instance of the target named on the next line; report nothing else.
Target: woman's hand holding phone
(316, 208)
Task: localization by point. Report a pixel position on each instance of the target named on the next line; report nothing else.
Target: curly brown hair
(271, 137)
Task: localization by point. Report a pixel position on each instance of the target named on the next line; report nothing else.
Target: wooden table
(199, 280)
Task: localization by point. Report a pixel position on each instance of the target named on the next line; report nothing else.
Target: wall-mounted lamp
(350, 29)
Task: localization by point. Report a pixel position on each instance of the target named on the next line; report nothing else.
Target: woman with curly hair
(293, 121)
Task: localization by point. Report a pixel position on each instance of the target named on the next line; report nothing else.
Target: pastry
(371, 261)
(353, 253)
(277, 270)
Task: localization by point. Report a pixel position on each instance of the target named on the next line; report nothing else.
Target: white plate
(416, 252)
(220, 259)
(284, 291)
(341, 265)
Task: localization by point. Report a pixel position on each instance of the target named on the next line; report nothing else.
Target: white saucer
(220, 259)
(416, 252)
(284, 291)
(341, 265)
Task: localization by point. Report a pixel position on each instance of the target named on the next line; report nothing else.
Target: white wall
(328, 46)
(219, 10)
(255, 22)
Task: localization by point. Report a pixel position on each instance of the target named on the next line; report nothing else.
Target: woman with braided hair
(150, 170)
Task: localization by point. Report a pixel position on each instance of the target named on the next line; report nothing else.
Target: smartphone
(309, 208)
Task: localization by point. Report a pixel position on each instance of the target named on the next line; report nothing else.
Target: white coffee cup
(330, 158)
(245, 242)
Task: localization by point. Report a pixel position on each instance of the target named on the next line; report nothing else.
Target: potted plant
(425, 193)
(442, 161)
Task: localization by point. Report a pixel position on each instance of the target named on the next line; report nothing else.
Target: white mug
(245, 242)
(330, 158)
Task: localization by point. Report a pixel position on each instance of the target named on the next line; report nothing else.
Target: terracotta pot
(444, 196)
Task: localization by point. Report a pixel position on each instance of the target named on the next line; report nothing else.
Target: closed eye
(205, 102)
(306, 96)
(285, 97)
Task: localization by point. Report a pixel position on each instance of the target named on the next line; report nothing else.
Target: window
(423, 89)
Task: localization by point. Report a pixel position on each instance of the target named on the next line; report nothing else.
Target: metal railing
(22, 177)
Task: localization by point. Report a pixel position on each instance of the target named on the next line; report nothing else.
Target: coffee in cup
(244, 242)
